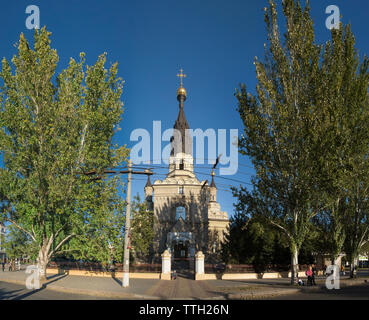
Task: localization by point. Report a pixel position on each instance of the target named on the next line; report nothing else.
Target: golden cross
(181, 75)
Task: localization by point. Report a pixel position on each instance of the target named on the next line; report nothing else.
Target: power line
(152, 166)
(208, 174)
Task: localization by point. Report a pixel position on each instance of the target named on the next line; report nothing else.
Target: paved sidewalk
(95, 286)
(182, 288)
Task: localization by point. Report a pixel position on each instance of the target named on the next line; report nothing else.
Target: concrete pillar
(199, 266)
(165, 265)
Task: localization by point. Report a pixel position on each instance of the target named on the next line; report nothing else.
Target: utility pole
(125, 281)
(127, 234)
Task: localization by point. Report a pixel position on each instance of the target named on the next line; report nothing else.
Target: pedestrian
(300, 282)
(342, 270)
(3, 265)
(309, 274)
(174, 275)
(314, 273)
(10, 266)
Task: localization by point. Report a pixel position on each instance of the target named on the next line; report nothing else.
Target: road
(9, 291)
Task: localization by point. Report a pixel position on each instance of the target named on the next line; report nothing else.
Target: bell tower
(181, 155)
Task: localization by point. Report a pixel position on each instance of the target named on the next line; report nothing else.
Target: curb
(261, 295)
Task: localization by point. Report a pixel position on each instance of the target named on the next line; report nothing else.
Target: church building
(188, 217)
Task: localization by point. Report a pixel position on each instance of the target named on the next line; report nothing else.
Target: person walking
(309, 274)
(10, 266)
(3, 265)
(314, 273)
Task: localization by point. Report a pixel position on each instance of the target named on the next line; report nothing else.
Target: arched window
(181, 212)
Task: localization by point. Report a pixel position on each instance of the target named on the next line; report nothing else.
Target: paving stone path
(184, 287)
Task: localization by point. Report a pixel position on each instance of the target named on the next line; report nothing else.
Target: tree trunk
(42, 261)
(335, 259)
(352, 268)
(294, 265)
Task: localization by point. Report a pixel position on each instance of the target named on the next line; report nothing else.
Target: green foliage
(253, 241)
(306, 134)
(343, 133)
(18, 244)
(53, 128)
(280, 125)
(142, 227)
(104, 243)
(102, 239)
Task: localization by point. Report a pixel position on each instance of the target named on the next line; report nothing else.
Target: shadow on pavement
(9, 295)
(44, 286)
(117, 280)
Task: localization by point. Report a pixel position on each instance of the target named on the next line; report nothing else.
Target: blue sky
(215, 42)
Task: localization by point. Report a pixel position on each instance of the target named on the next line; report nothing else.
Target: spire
(181, 92)
(181, 123)
(212, 185)
(148, 183)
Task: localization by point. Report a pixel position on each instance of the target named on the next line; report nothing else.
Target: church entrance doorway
(181, 250)
(180, 245)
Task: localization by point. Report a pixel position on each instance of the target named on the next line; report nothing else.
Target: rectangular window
(180, 190)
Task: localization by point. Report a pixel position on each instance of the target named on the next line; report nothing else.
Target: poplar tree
(280, 126)
(343, 134)
(306, 133)
(55, 128)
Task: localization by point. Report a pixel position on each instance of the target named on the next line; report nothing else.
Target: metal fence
(98, 267)
(247, 268)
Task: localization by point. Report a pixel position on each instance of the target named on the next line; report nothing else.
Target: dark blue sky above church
(215, 42)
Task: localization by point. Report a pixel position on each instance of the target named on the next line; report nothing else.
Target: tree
(19, 245)
(252, 240)
(357, 217)
(280, 126)
(55, 130)
(343, 134)
(306, 133)
(235, 244)
(102, 240)
(365, 250)
(142, 231)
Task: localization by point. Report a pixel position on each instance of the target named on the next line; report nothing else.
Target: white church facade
(188, 217)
